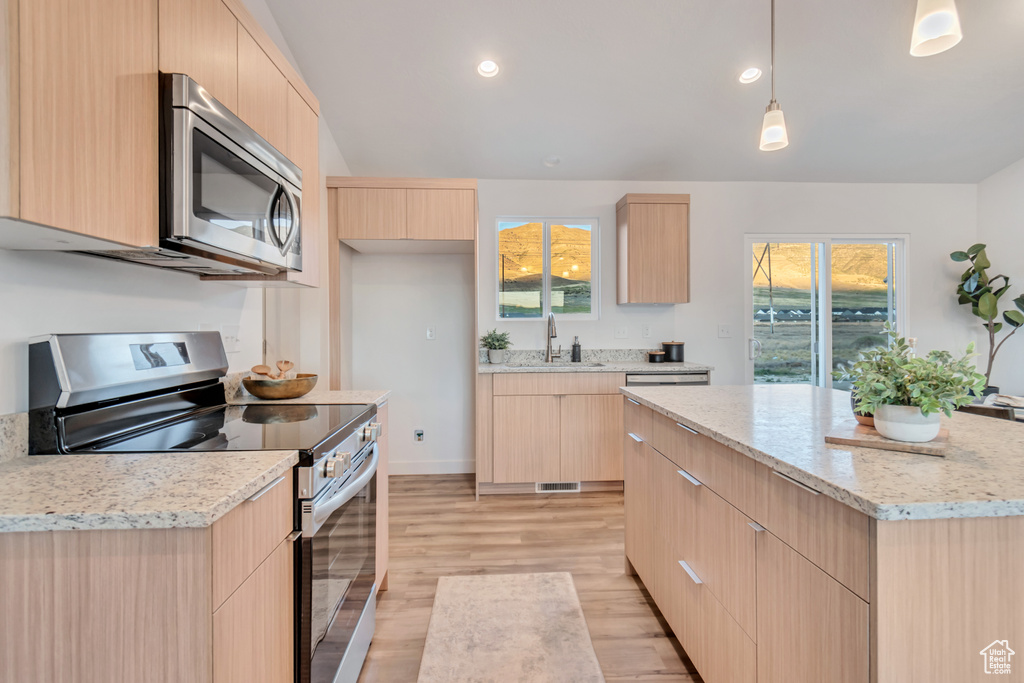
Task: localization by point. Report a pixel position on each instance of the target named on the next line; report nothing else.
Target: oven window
(227, 191)
(341, 557)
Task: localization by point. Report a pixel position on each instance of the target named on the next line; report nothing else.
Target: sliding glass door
(816, 303)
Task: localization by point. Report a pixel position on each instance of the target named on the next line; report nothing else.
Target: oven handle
(323, 510)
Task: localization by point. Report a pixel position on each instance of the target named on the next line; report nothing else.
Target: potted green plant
(906, 393)
(983, 292)
(496, 344)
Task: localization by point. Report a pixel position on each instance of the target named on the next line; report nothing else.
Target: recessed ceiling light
(750, 75)
(552, 161)
(487, 68)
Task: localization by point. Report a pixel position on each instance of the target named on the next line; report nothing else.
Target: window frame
(595, 266)
(901, 256)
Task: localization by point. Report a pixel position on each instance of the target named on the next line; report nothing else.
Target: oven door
(336, 568)
(226, 199)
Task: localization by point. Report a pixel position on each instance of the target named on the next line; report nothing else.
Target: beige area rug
(508, 627)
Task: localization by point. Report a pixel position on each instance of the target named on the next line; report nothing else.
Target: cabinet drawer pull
(689, 477)
(635, 437)
(693, 574)
(294, 536)
(259, 494)
(692, 431)
(794, 482)
(756, 527)
(636, 403)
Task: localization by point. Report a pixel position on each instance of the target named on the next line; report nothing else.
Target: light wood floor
(437, 529)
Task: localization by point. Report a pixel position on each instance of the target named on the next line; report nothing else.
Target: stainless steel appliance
(139, 393)
(660, 379)
(230, 202)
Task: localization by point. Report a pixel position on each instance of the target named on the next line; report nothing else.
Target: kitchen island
(778, 558)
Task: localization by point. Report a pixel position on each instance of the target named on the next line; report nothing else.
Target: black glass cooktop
(245, 428)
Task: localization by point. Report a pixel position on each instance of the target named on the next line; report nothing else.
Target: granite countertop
(606, 366)
(318, 396)
(146, 491)
(784, 427)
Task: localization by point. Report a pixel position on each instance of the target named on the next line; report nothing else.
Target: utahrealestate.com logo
(997, 657)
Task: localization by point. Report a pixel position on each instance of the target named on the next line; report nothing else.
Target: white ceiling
(647, 89)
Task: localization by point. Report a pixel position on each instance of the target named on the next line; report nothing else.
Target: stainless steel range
(149, 393)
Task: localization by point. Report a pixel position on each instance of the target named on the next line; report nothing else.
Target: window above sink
(547, 265)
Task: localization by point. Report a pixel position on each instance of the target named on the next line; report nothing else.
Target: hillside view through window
(792, 318)
(539, 258)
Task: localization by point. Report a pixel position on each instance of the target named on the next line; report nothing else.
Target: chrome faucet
(552, 333)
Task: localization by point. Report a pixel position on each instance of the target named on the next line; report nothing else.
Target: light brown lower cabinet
(153, 605)
(253, 631)
(382, 555)
(744, 605)
(552, 427)
(526, 439)
(809, 626)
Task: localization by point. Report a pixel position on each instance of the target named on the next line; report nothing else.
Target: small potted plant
(496, 344)
(907, 394)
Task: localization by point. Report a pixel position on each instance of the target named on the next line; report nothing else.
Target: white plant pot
(496, 355)
(906, 423)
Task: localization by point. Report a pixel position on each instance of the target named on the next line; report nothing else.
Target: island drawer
(680, 444)
(831, 535)
(557, 383)
(637, 419)
(731, 475)
(246, 536)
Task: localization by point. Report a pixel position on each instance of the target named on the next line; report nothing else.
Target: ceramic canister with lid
(673, 351)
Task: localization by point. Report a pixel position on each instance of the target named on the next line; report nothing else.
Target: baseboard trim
(485, 488)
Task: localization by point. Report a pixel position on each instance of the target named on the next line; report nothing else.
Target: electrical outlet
(645, 331)
(725, 331)
(417, 434)
(229, 335)
(431, 335)
(621, 332)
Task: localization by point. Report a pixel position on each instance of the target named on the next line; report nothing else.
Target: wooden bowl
(277, 389)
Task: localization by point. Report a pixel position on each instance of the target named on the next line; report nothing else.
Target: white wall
(1001, 227)
(44, 292)
(939, 219)
(396, 297)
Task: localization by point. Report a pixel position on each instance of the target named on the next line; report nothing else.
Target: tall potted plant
(906, 393)
(496, 344)
(983, 292)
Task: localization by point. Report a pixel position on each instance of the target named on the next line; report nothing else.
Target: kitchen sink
(554, 365)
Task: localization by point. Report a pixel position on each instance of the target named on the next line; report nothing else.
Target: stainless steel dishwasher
(662, 379)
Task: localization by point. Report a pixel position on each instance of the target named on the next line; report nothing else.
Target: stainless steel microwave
(228, 189)
(230, 203)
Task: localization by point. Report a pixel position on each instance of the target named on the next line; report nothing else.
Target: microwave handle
(296, 222)
(283, 244)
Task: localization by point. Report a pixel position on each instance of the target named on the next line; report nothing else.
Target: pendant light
(936, 27)
(773, 129)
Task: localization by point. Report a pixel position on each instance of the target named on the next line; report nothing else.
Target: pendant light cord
(773, 50)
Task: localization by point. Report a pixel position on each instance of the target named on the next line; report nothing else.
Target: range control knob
(337, 465)
(371, 431)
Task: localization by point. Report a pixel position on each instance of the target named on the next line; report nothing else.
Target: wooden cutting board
(853, 433)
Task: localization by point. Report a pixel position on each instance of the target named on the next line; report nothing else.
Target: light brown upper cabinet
(262, 92)
(78, 134)
(200, 38)
(303, 150)
(653, 240)
(441, 214)
(403, 208)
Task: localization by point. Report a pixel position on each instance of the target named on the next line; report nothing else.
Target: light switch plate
(621, 332)
(725, 331)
